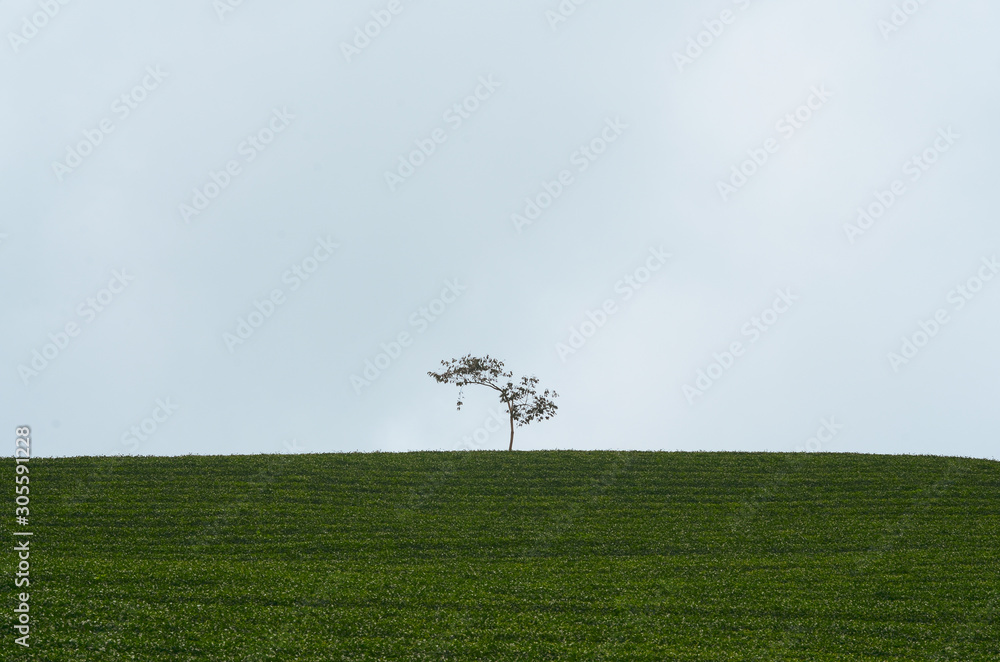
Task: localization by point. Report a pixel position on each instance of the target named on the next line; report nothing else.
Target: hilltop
(561, 555)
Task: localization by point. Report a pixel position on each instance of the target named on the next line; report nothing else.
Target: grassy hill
(512, 556)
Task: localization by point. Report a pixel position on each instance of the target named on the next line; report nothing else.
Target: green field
(556, 555)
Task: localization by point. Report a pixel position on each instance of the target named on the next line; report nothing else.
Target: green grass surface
(512, 556)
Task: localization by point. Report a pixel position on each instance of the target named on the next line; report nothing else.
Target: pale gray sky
(493, 178)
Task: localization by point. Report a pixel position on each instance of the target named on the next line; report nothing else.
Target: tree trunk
(511, 411)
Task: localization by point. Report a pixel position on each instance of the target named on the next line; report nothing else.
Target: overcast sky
(724, 225)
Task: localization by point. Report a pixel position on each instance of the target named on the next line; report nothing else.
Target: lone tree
(524, 404)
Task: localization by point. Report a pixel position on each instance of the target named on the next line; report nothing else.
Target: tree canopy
(524, 403)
